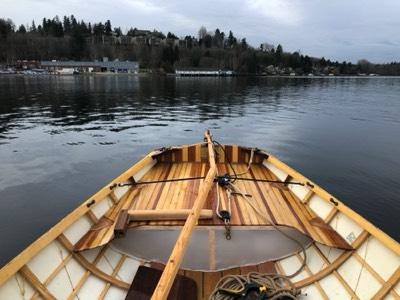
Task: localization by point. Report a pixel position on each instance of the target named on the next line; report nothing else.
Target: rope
(271, 284)
(249, 164)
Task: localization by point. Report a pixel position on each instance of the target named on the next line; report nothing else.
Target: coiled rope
(272, 285)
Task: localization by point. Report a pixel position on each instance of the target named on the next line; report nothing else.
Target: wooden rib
(87, 274)
(388, 286)
(307, 197)
(168, 276)
(35, 282)
(91, 267)
(334, 272)
(113, 274)
(113, 197)
(79, 285)
(92, 217)
(309, 273)
(369, 269)
(326, 271)
(20, 260)
(57, 270)
(332, 214)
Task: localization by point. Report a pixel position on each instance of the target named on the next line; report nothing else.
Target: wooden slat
(91, 267)
(165, 283)
(324, 272)
(390, 283)
(35, 282)
(114, 274)
(209, 282)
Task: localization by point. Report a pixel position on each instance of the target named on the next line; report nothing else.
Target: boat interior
(255, 215)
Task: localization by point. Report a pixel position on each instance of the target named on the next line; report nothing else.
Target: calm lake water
(62, 138)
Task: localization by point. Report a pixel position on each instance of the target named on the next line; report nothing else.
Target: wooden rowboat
(208, 221)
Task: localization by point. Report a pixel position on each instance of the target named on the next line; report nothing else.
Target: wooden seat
(146, 280)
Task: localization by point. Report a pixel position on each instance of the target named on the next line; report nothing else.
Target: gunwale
(203, 164)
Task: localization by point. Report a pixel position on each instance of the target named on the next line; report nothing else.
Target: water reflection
(61, 138)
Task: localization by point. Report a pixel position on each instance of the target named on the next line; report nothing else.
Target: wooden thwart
(166, 214)
(132, 215)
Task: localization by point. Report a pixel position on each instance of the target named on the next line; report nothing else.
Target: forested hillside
(70, 39)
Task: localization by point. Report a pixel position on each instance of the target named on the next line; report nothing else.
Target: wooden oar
(167, 278)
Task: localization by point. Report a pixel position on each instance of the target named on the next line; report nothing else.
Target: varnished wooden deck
(276, 201)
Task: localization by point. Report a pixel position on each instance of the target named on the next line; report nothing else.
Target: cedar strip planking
(198, 278)
(161, 200)
(269, 196)
(259, 200)
(252, 215)
(231, 271)
(279, 212)
(192, 153)
(299, 215)
(247, 269)
(267, 267)
(210, 279)
(265, 203)
(192, 187)
(243, 156)
(329, 237)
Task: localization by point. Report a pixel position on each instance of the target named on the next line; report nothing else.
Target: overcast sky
(342, 30)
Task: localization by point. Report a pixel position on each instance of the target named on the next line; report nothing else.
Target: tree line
(70, 39)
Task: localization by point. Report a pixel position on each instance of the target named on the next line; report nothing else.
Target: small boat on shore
(208, 221)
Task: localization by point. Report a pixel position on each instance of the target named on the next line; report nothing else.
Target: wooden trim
(35, 282)
(326, 271)
(87, 273)
(307, 197)
(92, 217)
(113, 197)
(385, 289)
(114, 274)
(335, 272)
(91, 267)
(14, 265)
(58, 269)
(167, 278)
(331, 215)
(366, 266)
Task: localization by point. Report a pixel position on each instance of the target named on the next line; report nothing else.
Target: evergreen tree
(107, 28)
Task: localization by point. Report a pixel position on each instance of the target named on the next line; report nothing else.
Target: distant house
(116, 66)
(203, 72)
